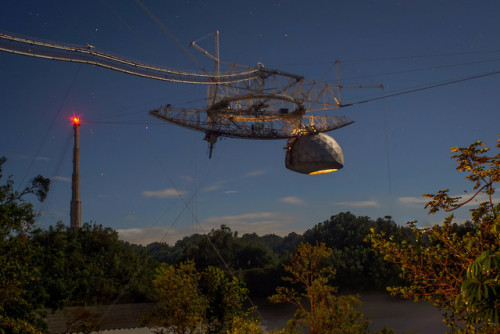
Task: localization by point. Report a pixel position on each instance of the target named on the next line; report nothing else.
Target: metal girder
(249, 125)
(244, 102)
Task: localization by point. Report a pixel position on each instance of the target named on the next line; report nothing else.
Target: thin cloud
(413, 201)
(254, 222)
(246, 217)
(421, 201)
(188, 178)
(212, 188)
(165, 193)
(359, 204)
(231, 191)
(291, 200)
(42, 158)
(255, 173)
(147, 235)
(479, 199)
(61, 178)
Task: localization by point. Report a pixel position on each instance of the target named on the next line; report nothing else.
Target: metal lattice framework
(243, 102)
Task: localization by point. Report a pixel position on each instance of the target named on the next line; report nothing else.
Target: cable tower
(76, 204)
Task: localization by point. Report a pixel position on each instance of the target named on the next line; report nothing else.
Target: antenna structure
(242, 102)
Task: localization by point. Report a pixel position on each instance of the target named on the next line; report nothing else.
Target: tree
(20, 304)
(481, 290)
(208, 250)
(444, 264)
(357, 265)
(181, 307)
(244, 325)
(91, 266)
(226, 296)
(318, 305)
(189, 301)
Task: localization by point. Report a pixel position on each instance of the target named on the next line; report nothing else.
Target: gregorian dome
(314, 154)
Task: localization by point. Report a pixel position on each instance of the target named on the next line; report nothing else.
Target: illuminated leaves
(455, 267)
(318, 305)
(481, 170)
(181, 306)
(194, 302)
(481, 289)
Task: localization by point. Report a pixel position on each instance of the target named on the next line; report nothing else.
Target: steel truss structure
(243, 102)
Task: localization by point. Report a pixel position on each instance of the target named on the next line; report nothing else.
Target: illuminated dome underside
(314, 154)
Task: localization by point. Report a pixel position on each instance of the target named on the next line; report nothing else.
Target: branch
(470, 199)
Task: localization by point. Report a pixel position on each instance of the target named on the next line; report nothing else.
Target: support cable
(54, 177)
(422, 88)
(169, 34)
(424, 69)
(56, 116)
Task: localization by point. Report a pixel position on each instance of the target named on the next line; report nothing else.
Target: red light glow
(75, 120)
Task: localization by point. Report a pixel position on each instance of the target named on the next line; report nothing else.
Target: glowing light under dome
(314, 154)
(324, 171)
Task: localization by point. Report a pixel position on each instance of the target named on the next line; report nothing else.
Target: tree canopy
(318, 305)
(20, 302)
(190, 301)
(454, 266)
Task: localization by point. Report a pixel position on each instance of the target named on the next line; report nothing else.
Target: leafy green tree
(208, 302)
(181, 306)
(444, 264)
(163, 252)
(481, 290)
(357, 265)
(20, 303)
(226, 296)
(91, 266)
(209, 250)
(318, 305)
(245, 325)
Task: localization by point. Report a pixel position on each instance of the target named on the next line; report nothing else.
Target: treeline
(93, 266)
(90, 266)
(258, 260)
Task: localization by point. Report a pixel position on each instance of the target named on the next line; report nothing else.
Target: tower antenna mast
(76, 204)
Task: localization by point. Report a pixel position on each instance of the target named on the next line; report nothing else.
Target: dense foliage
(318, 306)
(453, 266)
(91, 266)
(20, 303)
(190, 301)
(180, 305)
(60, 267)
(259, 260)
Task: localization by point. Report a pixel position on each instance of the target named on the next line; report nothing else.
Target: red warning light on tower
(75, 120)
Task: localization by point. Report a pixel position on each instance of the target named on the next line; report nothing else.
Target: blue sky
(153, 181)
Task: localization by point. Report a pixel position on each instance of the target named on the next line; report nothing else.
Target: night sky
(153, 181)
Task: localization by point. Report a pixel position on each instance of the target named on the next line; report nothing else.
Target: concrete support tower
(76, 205)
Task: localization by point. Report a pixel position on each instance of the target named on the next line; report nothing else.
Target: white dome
(314, 154)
